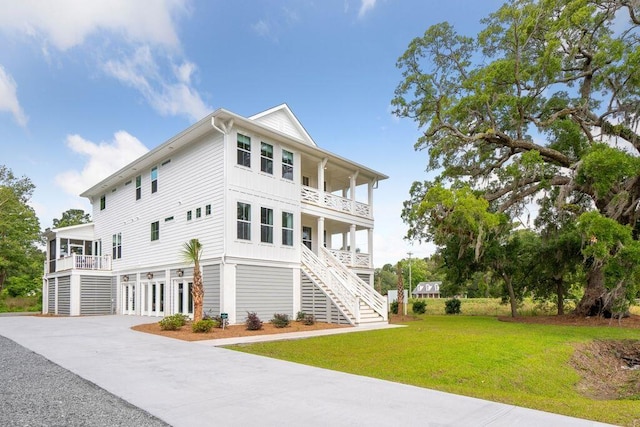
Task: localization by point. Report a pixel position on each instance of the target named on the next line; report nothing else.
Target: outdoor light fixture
(149, 275)
(180, 272)
(125, 278)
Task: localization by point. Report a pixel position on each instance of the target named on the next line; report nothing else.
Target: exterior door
(307, 240)
(129, 298)
(183, 297)
(152, 297)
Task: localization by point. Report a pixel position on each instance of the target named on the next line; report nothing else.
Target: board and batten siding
(264, 290)
(96, 294)
(315, 302)
(64, 295)
(191, 180)
(211, 282)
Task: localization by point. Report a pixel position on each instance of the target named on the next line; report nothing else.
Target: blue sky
(87, 86)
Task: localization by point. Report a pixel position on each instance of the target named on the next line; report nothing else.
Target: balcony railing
(83, 262)
(352, 260)
(331, 201)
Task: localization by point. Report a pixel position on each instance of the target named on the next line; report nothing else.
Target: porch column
(352, 184)
(345, 242)
(321, 165)
(320, 237)
(370, 248)
(370, 187)
(352, 236)
(228, 292)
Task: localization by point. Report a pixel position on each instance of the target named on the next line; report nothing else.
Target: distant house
(427, 290)
(277, 217)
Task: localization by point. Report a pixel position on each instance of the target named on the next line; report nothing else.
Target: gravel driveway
(37, 392)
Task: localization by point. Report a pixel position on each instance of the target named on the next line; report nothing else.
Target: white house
(285, 227)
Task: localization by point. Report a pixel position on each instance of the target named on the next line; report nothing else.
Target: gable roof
(282, 119)
(427, 288)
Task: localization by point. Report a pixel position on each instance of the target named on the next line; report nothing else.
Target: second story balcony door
(307, 238)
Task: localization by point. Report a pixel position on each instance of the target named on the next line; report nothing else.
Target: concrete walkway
(189, 383)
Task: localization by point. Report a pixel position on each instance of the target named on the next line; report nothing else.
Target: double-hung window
(266, 225)
(155, 230)
(198, 212)
(244, 150)
(117, 246)
(287, 228)
(154, 179)
(103, 202)
(266, 158)
(287, 165)
(244, 221)
(138, 187)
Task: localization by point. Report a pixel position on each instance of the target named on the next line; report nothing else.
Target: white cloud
(102, 159)
(67, 23)
(262, 28)
(142, 72)
(365, 7)
(9, 98)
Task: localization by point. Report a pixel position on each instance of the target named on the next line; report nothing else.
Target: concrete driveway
(189, 384)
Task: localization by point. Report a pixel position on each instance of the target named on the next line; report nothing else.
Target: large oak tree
(543, 102)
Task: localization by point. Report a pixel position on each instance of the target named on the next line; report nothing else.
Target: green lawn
(479, 356)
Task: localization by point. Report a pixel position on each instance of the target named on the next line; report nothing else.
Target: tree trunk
(560, 295)
(198, 294)
(512, 295)
(591, 303)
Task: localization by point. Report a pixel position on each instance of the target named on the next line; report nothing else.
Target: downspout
(224, 203)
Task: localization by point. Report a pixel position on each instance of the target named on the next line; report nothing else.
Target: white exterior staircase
(355, 299)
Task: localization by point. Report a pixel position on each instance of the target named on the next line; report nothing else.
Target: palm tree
(192, 252)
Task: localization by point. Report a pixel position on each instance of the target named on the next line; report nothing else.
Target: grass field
(479, 356)
(16, 304)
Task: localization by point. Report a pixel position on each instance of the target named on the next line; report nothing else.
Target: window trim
(266, 227)
(155, 231)
(243, 221)
(138, 187)
(103, 202)
(116, 246)
(287, 165)
(287, 231)
(243, 149)
(198, 213)
(266, 159)
(154, 181)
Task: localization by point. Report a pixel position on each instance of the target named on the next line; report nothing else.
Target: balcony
(336, 203)
(353, 260)
(82, 262)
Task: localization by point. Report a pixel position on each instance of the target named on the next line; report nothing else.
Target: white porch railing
(84, 262)
(352, 260)
(331, 201)
(361, 289)
(344, 284)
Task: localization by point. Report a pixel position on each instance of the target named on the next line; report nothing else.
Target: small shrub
(173, 323)
(300, 316)
(203, 326)
(253, 322)
(394, 307)
(419, 307)
(308, 320)
(452, 306)
(280, 320)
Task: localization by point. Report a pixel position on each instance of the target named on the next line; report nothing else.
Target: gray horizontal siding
(211, 282)
(95, 295)
(264, 290)
(51, 295)
(315, 302)
(64, 295)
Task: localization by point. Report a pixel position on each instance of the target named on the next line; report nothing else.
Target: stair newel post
(357, 310)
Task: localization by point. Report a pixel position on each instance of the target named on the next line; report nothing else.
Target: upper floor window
(188, 215)
(287, 164)
(207, 210)
(244, 150)
(287, 228)
(266, 158)
(138, 187)
(103, 202)
(305, 181)
(198, 212)
(116, 253)
(244, 221)
(266, 225)
(155, 230)
(154, 179)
